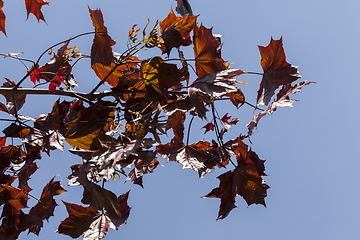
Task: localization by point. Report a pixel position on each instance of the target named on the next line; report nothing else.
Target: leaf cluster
(120, 128)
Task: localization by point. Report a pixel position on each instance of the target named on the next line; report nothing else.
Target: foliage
(149, 97)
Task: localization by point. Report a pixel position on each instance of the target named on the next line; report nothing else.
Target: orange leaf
(169, 21)
(101, 50)
(126, 71)
(207, 55)
(2, 18)
(34, 7)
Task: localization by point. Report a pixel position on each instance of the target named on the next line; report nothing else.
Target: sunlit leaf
(276, 71)
(101, 50)
(34, 7)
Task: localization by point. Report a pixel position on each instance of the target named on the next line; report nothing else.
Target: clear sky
(311, 149)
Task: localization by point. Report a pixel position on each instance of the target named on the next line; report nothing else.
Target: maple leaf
(276, 71)
(236, 98)
(227, 126)
(282, 100)
(24, 176)
(182, 104)
(245, 180)
(89, 222)
(98, 197)
(207, 56)
(141, 168)
(43, 138)
(56, 71)
(183, 8)
(34, 7)
(101, 50)
(208, 127)
(15, 199)
(215, 84)
(225, 118)
(2, 18)
(124, 75)
(176, 31)
(10, 154)
(100, 164)
(85, 125)
(45, 208)
(176, 123)
(200, 157)
(14, 102)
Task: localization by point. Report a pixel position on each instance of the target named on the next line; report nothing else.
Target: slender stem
(16, 57)
(106, 77)
(217, 131)
(253, 73)
(255, 106)
(36, 64)
(188, 134)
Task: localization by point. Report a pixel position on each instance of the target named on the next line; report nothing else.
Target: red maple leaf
(2, 18)
(34, 7)
(207, 56)
(200, 157)
(101, 50)
(245, 180)
(208, 127)
(276, 70)
(45, 208)
(176, 31)
(141, 168)
(282, 100)
(88, 222)
(56, 71)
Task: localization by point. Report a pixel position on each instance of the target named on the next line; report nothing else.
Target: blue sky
(311, 149)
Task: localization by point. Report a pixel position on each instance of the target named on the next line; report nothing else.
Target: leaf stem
(217, 131)
(188, 134)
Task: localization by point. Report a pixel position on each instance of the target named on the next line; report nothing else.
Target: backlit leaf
(200, 157)
(207, 57)
(34, 7)
(276, 71)
(101, 50)
(245, 180)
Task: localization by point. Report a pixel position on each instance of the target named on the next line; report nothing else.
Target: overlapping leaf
(43, 138)
(84, 124)
(276, 71)
(101, 50)
(207, 56)
(200, 157)
(100, 164)
(14, 102)
(45, 208)
(141, 168)
(282, 100)
(216, 84)
(34, 7)
(176, 123)
(245, 180)
(176, 31)
(56, 71)
(123, 77)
